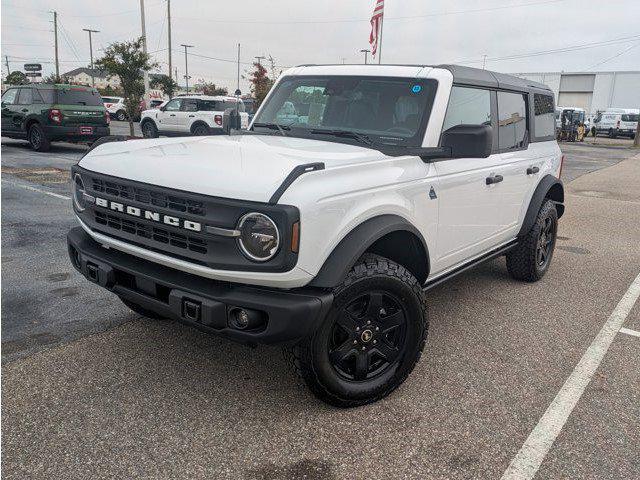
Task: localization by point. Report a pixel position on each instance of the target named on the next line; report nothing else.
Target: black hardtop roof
(475, 76)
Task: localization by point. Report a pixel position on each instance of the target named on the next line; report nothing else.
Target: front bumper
(73, 133)
(290, 314)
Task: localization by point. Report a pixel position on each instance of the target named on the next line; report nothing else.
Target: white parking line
(528, 460)
(34, 189)
(628, 331)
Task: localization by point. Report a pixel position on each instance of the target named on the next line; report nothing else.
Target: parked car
(115, 107)
(42, 114)
(618, 122)
(326, 233)
(192, 114)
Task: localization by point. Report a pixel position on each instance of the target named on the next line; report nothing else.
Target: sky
(515, 35)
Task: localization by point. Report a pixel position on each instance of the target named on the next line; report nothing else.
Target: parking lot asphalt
(91, 390)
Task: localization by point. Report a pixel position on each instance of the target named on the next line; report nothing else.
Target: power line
(614, 56)
(358, 20)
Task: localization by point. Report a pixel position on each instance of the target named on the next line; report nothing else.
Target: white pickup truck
(197, 115)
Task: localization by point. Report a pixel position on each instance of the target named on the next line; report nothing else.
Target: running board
(490, 255)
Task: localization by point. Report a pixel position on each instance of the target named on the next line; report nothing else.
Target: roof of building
(77, 71)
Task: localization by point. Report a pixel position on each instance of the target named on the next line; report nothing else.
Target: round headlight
(78, 192)
(259, 238)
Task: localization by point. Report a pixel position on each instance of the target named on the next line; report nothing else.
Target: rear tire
(200, 130)
(121, 115)
(370, 340)
(141, 310)
(38, 139)
(530, 259)
(149, 129)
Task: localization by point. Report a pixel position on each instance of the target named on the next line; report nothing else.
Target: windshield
(384, 110)
(79, 96)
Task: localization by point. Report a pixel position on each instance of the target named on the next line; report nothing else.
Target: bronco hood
(246, 167)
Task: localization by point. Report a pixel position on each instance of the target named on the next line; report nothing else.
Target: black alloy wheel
(368, 336)
(545, 242)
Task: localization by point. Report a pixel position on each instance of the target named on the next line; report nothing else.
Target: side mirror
(468, 141)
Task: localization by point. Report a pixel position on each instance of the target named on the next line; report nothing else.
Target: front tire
(530, 259)
(149, 129)
(38, 138)
(370, 340)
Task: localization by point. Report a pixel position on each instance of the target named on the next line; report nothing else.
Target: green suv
(43, 113)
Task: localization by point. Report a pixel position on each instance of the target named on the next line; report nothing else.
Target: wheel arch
(28, 122)
(197, 123)
(549, 188)
(390, 236)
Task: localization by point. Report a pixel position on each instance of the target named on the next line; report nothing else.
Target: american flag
(376, 20)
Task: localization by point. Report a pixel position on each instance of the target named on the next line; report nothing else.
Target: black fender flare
(108, 139)
(355, 244)
(549, 187)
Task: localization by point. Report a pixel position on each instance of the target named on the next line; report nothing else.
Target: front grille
(152, 232)
(149, 197)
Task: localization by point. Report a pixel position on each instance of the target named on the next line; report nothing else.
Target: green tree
(16, 78)
(109, 91)
(210, 89)
(52, 78)
(165, 83)
(127, 61)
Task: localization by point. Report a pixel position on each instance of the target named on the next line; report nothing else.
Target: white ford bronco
(190, 114)
(355, 190)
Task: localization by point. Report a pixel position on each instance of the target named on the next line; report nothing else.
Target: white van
(619, 122)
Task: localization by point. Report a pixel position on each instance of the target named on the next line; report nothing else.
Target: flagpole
(380, 45)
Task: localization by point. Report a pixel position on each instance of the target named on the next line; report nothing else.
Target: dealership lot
(90, 389)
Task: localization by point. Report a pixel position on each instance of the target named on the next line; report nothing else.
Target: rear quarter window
(544, 116)
(78, 96)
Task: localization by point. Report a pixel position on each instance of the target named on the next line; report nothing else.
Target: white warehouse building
(595, 91)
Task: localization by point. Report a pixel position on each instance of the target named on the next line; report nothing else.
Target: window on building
(544, 115)
(468, 106)
(512, 120)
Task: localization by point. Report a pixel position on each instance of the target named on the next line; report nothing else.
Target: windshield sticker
(416, 88)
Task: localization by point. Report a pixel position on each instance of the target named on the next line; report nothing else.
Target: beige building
(82, 76)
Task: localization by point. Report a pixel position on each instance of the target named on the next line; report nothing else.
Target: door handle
(532, 170)
(494, 179)
(172, 115)
(191, 116)
(25, 109)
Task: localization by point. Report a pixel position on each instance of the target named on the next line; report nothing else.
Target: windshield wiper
(274, 126)
(360, 137)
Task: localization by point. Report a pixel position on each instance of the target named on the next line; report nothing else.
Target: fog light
(245, 319)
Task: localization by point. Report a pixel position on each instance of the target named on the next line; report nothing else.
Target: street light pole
(93, 80)
(366, 52)
(169, 33)
(145, 74)
(55, 43)
(186, 66)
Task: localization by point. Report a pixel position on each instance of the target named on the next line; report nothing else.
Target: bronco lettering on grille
(149, 215)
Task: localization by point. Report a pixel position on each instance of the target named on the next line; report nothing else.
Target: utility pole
(145, 74)
(169, 33)
(55, 43)
(484, 61)
(238, 81)
(186, 65)
(366, 52)
(176, 70)
(93, 80)
(259, 58)
(6, 59)
(636, 141)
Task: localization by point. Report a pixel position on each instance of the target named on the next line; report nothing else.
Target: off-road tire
(38, 138)
(149, 129)
(522, 261)
(310, 357)
(141, 310)
(121, 115)
(200, 130)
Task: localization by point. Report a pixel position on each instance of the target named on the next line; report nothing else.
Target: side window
(25, 97)
(208, 106)
(189, 105)
(173, 105)
(512, 120)
(37, 98)
(468, 106)
(544, 115)
(9, 97)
